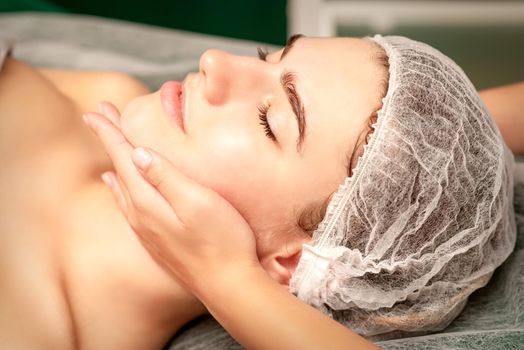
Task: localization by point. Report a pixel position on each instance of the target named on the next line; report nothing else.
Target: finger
(115, 145)
(113, 183)
(181, 192)
(140, 195)
(110, 111)
(125, 191)
(119, 150)
(125, 202)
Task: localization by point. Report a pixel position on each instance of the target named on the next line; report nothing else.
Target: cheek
(236, 163)
(232, 160)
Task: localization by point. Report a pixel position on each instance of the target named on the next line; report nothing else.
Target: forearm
(262, 314)
(506, 105)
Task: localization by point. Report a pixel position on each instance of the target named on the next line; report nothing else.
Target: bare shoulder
(87, 88)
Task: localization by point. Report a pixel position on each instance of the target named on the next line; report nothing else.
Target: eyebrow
(288, 82)
(289, 44)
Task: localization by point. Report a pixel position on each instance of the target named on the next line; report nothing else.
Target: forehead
(346, 68)
(338, 80)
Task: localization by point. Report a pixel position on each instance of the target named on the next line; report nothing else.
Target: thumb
(181, 192)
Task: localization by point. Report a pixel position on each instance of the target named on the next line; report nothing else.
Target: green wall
(256, 20)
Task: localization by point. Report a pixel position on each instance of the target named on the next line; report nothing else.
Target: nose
(228, 76)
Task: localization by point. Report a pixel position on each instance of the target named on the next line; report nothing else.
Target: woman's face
(225, 146)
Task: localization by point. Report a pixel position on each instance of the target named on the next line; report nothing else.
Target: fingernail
(86, 119)
(141, 158)
(107, 179)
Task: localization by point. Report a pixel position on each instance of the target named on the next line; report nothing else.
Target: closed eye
(262, 116)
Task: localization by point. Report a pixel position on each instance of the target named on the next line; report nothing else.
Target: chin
(139, 121)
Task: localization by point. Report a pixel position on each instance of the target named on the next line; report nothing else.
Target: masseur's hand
(189, 229)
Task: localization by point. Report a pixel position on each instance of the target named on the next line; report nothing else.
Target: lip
(172, 98)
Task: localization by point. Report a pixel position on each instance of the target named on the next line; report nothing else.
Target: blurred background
(485, 37)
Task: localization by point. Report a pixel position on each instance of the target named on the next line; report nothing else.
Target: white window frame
(323, 17)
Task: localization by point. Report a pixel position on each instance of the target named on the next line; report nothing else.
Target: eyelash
(262, 109)
(262, 53)
(262, 116)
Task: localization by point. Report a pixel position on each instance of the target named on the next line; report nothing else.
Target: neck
(109, 277)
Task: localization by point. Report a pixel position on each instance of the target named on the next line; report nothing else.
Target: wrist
(227, 280)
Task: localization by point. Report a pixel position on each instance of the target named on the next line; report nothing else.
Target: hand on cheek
(189, 229)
